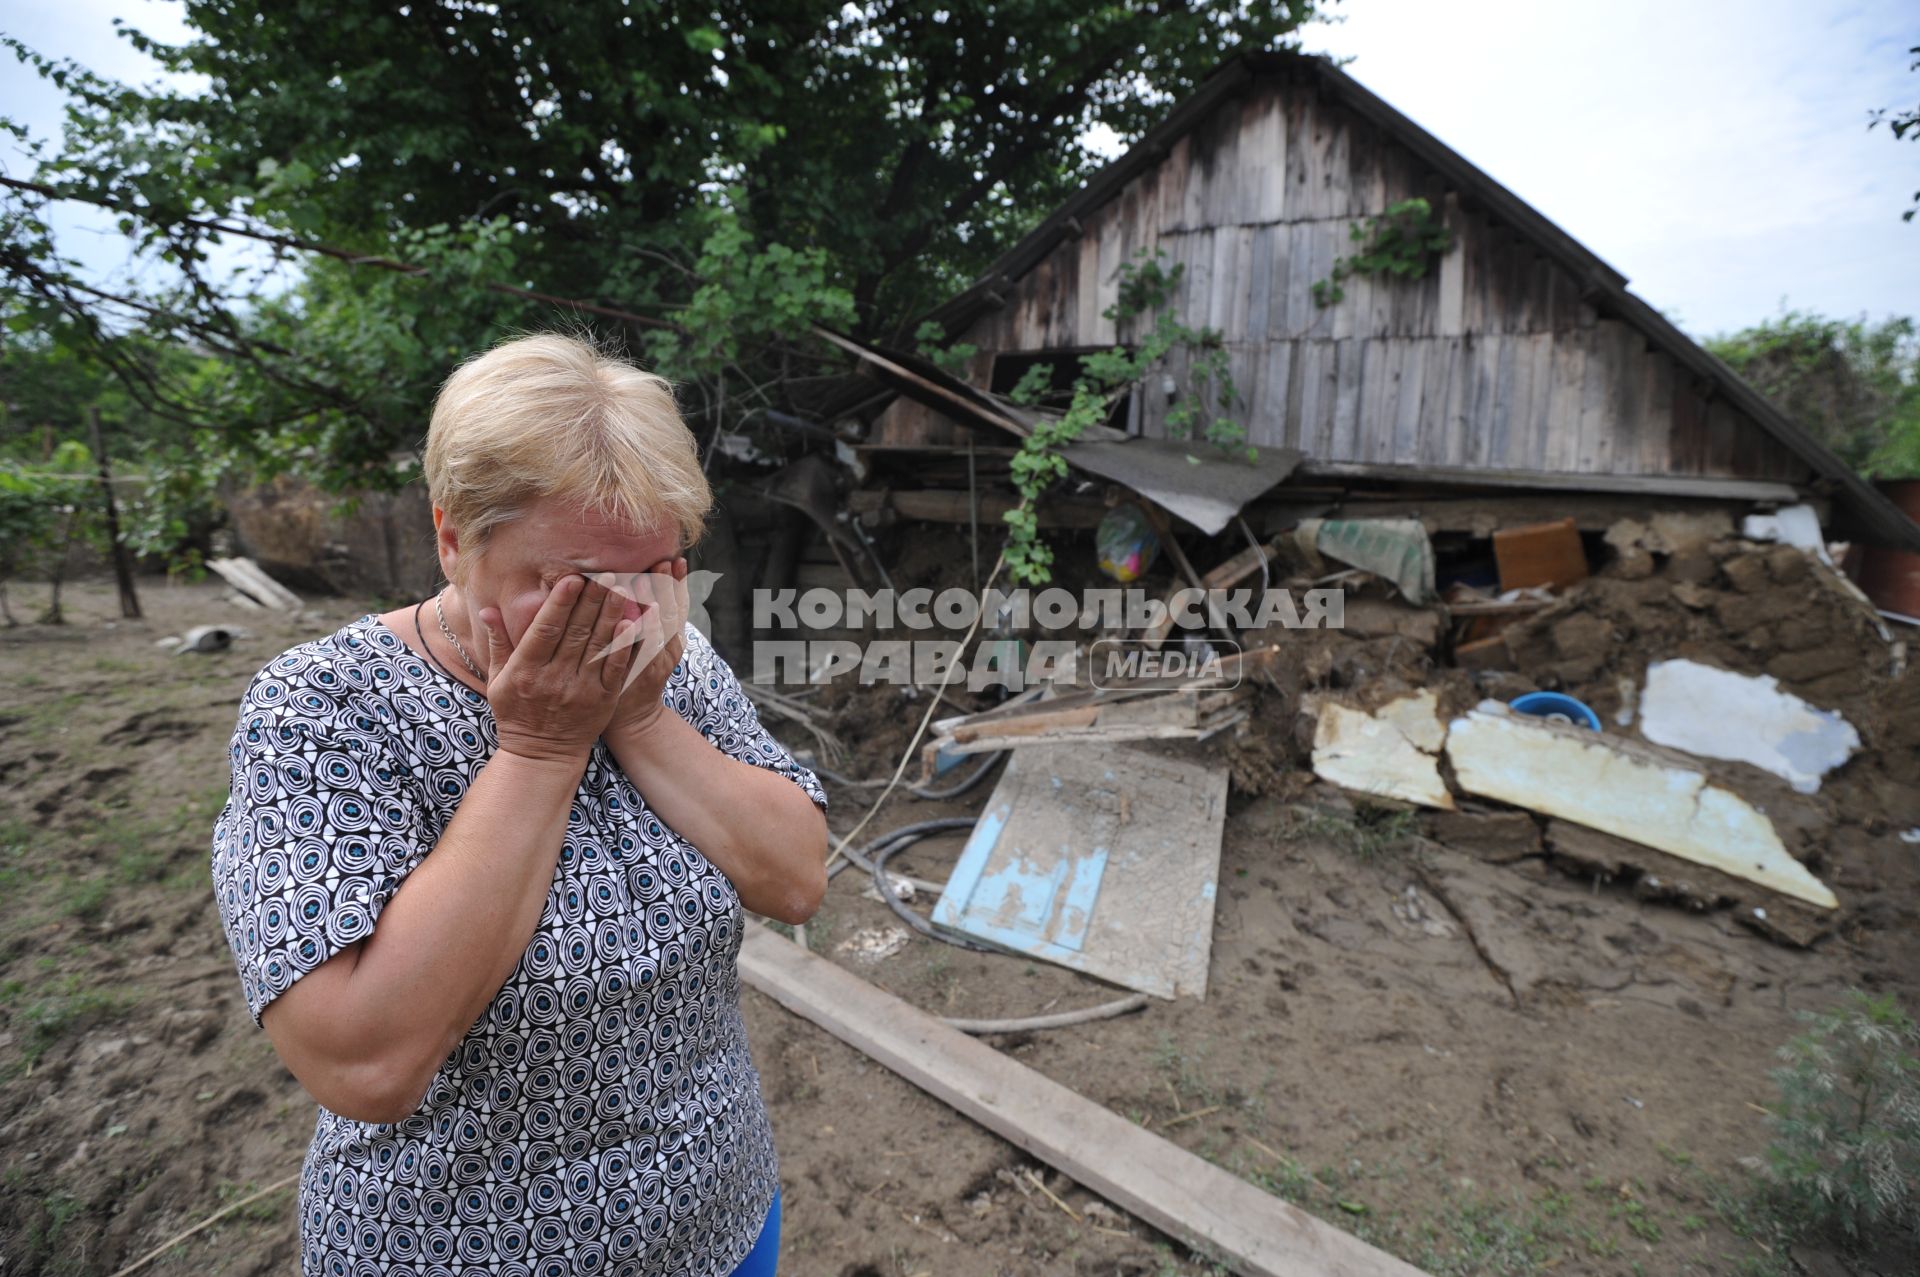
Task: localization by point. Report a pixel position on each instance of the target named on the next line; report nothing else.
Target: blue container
(1556, 707)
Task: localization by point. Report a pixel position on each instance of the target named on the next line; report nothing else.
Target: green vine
(1146, 285)
(930, 338)
(1404, 241)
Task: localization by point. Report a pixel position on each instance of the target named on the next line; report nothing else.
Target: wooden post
(122, 561)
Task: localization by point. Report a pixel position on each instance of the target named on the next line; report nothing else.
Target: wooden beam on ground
(1210, 1209)
(249, 578)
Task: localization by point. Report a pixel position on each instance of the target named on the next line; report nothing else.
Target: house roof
(1864, 511)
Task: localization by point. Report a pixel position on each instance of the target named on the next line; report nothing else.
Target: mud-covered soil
(1463, 1054)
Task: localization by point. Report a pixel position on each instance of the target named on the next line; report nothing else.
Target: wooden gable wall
(1491, 361)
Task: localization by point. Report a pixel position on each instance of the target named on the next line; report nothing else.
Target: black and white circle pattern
(604, 1114)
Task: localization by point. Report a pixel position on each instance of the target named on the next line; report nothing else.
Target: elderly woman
(484, 864)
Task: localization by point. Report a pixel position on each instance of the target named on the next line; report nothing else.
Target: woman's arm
(757, 826)
(366, 1030)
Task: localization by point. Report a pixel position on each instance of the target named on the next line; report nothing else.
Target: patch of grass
(1638, 1219)
(52, 717)
(1749, 1215)
(1288, 1180)
(941, 974)
(58, 1011)
(1478, 1235)
(1189, 1084)
(1369, 832)
(84, 898)
(270, 1209)
(16, 839)
(50, 1234)
(820, 932)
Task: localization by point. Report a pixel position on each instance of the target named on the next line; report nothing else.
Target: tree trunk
(122, 561)
(58, 570)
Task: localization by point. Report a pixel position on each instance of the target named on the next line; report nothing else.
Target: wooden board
(1204, 1206)
(1102, 859)
(250, 579)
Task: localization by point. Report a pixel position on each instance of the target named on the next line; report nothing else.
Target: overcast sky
(1715, 152)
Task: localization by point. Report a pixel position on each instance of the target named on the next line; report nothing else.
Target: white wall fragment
(1796, 525)
(1716, 713)
(1391, 752)
(1624, 790)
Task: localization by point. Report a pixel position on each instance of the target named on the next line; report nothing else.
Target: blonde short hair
(553, 416)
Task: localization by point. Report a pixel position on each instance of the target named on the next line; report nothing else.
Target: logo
(1125, 662)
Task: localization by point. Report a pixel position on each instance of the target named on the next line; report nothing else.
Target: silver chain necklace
(454, 639)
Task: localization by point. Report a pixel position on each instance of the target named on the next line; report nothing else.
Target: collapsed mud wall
(382, 545)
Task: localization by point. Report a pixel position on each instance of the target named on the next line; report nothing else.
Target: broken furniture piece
(1103, 859)
(1545, 554)
(1227, 576)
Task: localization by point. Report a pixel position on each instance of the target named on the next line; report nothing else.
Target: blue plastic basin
(1556, 706)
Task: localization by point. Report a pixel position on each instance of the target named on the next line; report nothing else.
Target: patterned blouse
(604, 1114)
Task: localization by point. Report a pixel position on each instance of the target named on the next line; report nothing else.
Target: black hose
(874, 856)
(911, 833)
(899, 906)
(954, 790)
(965, 783)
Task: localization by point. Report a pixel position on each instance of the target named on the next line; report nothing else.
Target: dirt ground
(1478, 1062)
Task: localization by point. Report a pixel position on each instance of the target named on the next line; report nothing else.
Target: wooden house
(1519, 359)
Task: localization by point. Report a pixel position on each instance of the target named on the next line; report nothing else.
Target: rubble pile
(1752, 609)
(1776, 613)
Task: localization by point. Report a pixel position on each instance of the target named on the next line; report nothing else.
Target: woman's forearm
(370, 1028)
(755, 825)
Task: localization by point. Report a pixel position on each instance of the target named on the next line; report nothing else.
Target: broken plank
(248, 578)
(1205, 1207)
(1096, 735)
(1224, 577)
(1041, 720)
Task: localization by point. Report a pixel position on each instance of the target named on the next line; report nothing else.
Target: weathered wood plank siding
(1493, 360)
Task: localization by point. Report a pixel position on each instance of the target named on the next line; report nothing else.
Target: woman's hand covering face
(554, 691)
(657, 611)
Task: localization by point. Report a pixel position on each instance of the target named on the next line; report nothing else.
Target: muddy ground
(1485, 1067)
